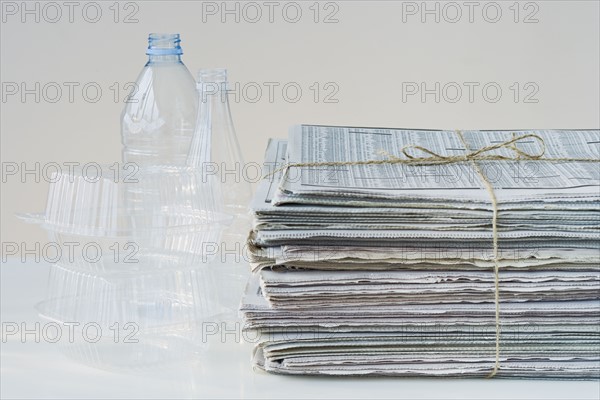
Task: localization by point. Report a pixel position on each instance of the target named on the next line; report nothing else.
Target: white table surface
(39, 370)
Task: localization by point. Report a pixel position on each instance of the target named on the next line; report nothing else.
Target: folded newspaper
(368, 265)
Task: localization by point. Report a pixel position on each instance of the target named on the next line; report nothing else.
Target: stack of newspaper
(389, 268)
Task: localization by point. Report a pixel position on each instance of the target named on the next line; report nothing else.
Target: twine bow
(477, 155)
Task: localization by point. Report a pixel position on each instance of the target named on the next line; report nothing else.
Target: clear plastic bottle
(158, 121)
(216, 151)
(215, 148)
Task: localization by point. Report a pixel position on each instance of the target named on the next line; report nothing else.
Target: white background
(369, 54)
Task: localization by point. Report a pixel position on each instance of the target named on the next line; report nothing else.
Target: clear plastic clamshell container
(160, 212)
(132, 277)
(122, 320)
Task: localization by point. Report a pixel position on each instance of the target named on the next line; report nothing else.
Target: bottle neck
(164, 48)
(169, 58)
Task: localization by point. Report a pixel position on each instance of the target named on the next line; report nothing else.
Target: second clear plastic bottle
(216, 151)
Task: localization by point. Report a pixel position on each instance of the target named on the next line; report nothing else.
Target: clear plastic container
(158, 121)
(165, 212)
(121, 319)
(145, 275)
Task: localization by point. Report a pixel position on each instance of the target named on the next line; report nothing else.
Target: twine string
(494, 201)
